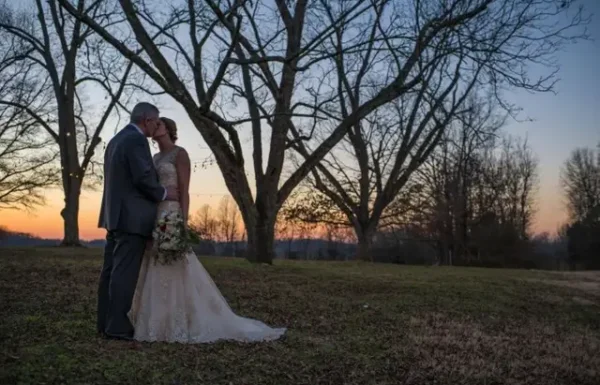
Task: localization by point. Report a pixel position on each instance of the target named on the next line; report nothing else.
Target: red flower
(163, 227)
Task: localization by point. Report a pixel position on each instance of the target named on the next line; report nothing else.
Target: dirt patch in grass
(559, 300)
(349, 323)
(583, 301)
(589, 287)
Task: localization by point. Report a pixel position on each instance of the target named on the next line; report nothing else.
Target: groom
(129, 203)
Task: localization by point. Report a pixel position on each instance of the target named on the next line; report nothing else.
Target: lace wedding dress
(180, 302)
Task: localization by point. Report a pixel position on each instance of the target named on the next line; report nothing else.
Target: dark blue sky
(564, 121)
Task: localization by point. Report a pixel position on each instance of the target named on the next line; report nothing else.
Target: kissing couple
(152, 285)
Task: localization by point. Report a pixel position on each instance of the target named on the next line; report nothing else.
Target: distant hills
(11, 239)
(298, 248)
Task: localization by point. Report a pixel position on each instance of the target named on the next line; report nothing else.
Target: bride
(178, 301)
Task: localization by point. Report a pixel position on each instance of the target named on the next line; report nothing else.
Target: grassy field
(349, 323)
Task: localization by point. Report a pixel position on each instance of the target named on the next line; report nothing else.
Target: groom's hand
(172, 194)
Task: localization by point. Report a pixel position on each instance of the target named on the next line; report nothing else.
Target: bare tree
(580, 179)
(487, 49)
(442, 197)
(27, 156)
(205, 224)
(480, 195)
(228, 220)
(282, 61)
(475, 179)
(65, 58)
(523, 183)
(493, 211)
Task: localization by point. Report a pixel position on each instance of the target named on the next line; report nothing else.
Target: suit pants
(123, 255)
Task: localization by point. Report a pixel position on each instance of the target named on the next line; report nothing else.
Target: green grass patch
(349, 323)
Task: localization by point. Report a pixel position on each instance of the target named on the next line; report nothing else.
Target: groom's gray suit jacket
(131, 186)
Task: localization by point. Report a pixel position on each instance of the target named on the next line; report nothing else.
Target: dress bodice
(167, 176)
(166, 167)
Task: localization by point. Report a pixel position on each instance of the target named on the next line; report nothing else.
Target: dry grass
(587, 282)
(350, 323)
(592, 288)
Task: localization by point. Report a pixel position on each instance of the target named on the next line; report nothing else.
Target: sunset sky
(561, 123)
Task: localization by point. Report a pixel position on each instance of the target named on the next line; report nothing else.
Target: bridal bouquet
(170, 238)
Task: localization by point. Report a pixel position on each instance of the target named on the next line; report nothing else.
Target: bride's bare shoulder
(181, 150)
(182, 155)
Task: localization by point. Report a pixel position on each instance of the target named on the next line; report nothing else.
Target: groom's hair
(141, 111)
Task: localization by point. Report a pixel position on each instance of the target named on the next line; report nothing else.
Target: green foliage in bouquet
(171, 239)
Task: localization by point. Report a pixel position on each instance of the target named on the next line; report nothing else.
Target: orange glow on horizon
(45, 222)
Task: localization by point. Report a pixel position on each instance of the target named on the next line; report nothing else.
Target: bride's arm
(183, 176)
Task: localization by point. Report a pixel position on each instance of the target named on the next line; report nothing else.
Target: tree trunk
(261, 239)
(72, 174)
(365, 245)
(259, 220)
(70, 214)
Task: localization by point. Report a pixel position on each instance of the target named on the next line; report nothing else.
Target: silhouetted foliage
(27, 153)
(580, 179)
(584, 241)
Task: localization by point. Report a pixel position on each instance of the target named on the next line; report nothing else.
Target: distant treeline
(543, 253)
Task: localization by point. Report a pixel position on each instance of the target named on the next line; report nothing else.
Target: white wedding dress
(180, 302)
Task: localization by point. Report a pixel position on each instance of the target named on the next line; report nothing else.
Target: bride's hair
(171, 128)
